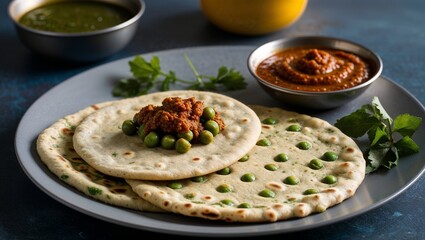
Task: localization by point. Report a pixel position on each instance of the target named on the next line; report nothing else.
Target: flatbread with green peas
(55, 148)
(301, 166)
(100, 140)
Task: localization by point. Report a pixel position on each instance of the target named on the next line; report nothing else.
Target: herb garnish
(149, 74)
(386, 147)
(94, 191)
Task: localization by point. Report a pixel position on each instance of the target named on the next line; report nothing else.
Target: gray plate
(95, 86)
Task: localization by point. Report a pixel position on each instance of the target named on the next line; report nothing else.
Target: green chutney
(75, 17)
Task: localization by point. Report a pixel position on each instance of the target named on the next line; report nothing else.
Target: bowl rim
(122, 25)
(252, 69)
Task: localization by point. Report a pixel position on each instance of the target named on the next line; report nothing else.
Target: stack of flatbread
(268, 164)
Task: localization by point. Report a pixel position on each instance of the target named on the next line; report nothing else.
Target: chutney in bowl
(76, 31)
(314, 72)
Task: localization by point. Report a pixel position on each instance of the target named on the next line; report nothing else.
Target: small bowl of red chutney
(314, 72)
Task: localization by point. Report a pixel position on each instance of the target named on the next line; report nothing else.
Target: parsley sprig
(149, 74)
(389, 139)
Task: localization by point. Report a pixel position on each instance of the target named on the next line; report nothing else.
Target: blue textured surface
(394, 29)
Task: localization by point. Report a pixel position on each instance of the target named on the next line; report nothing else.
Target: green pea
(206, 137)
(294, 128)
(182, 145)
(175, 185)
(199, 179)
(310, 191)
(281, 157)
(291, 180)
(270, 121)
(244, 158)
(248, 177)
(208, 113)
(186, 135)
(151, 140)
(141, 132)
(168, 141)
(329, 179)
(315, 164)
(129, 128)
(212, 126)
(224, 188)
(264, 142)
(244, 205)
(227, 202)
(271, 167)
(267, 193)
(224, 171)
(330, 156)
(304, 145)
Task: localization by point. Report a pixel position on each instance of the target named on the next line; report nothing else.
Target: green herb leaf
(406, 124)
(94, 191)
(392, 158)
(384, 148)
(406, 146)
(379, 109)
(231, 79)
(375, 158)
(142, 69)
(377, 136)
(357, 123)
(149, 74)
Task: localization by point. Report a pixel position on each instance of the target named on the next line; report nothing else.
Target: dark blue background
(394, 29)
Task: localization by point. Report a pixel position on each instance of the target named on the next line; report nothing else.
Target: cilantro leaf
(378, 135)
(375, 158)
(357, 123)
(149, 74)
(143, 69)
(231, 79)
(385, 146)
(406, 146)
(379, 109)
(406, 124)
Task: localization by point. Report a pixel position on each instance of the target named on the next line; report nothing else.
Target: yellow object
(253, 17)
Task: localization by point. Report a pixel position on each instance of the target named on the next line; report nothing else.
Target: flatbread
(100, 141)
(55, 148)
(203, 199)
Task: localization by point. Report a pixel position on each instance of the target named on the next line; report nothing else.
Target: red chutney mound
(176, 115)
(314, 70)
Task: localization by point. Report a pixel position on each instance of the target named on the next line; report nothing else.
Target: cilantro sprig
(149, 74)
(389, 139)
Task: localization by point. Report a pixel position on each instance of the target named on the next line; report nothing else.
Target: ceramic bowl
(310, 99)
(77, 47)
